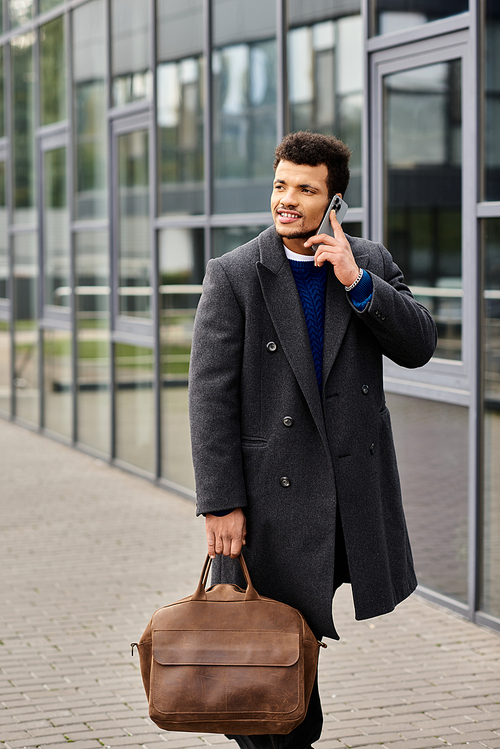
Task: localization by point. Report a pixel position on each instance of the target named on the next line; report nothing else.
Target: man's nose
(289, 198)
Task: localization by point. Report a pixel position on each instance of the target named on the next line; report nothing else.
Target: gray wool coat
(265, 439)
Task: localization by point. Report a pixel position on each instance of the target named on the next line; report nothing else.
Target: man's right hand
(226, 534)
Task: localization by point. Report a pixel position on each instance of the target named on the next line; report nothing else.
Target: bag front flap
(224, 648)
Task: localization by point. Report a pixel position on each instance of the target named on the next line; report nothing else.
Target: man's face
(299, 199)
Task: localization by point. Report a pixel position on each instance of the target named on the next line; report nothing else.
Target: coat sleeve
(404, 328)
(214, 388)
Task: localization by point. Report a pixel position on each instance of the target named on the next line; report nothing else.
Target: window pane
(131, 44)
(53, 72)
(134, 406)
(325, 77)
(180, 106)
(2, 102)
(492, 101)
(58, 412)
(26, 327)
(4, 238)
(93, 344)
(244, 70)
(490, 592)
(181, 261)
(396, 15)
(56, 252)
(48, 4)
(134, 255)
(432, 448)
(89, 71)
(22, 129)
(20, 11)
(5, 373)
(423, 146)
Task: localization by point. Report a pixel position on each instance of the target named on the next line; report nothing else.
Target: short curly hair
(313, 149)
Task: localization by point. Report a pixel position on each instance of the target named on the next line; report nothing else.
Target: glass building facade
(136, 142)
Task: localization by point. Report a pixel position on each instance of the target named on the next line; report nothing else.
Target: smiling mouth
(287, 216)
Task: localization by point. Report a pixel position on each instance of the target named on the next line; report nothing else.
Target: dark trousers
(301, 737)
(309, 730)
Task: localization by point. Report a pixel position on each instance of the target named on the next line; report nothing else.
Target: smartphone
(340, 208)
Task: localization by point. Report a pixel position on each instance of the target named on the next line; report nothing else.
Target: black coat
(265, 439)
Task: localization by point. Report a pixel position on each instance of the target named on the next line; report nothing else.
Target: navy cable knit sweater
(311, 285)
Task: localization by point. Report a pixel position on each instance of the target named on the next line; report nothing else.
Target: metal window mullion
(282, 109)
(38, 166)
(208, 125)
(366, 122)
(9, 176)
(153, 211)
(113, 297)
(70, 162)
(474, 72)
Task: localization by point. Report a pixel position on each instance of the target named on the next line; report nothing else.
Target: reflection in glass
(2, 102)
(135, 406)
(490, 589)
(52, 72)
(26, 387)
(56, 229)
(244, 70)
(20, 11)
(23, 79)
(423, 145)
(227, 239)
(180, 106)
(57, 407)
(4, 237)
(353, 228)
(397, 15)
(325, 79)
(92, 294)
(492, 102)
(5, 373)
(49, 4)
(134, 260)
(432, 448)
(130, 44)
(89, 74)
(181, 263)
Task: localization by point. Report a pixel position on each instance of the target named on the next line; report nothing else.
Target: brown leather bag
(225, 660)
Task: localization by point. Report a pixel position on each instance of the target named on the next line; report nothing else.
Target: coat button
(372, 448)
(285, 482)
(288, 421)
(271, 346)
(365, 389)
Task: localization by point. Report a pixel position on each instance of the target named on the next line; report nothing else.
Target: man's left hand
(337, 251)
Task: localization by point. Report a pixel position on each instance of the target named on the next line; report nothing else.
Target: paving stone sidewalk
(88, 552)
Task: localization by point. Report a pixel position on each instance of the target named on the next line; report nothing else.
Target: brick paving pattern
(88, 552)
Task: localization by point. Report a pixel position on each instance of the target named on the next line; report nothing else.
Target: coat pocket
(253, 442)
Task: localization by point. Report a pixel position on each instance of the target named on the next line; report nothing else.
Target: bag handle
(200, 593)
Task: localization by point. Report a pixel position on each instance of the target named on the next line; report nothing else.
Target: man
(291, 437)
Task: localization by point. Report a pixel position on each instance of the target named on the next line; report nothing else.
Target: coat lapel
(283, 303)
(337, 315)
